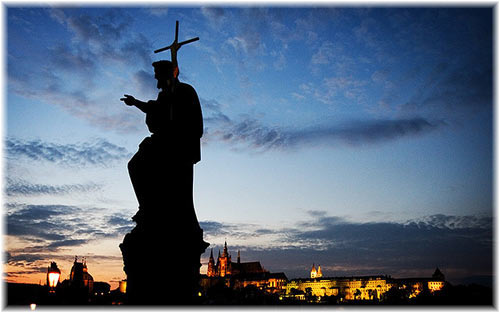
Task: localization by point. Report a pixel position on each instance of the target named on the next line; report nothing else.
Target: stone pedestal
(161, 268)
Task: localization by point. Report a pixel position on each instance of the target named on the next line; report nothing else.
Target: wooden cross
(174, 47)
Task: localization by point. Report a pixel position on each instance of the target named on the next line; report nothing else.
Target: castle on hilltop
(225, 267)
(240, 274)
(360, 287)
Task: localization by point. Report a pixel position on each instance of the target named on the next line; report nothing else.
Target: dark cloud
(252, 133)
(213, 112)
(43, 212)
(56, 226)
(39, 221)
(316, 213)
(120, 221)
(264, 231)
(66, 243)
(24, 273)
(454, 222)
(15, 188)
(28, 258)
(359, 132)
(215, 228)
(100, 152)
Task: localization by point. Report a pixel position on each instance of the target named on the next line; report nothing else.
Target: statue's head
(165, 73)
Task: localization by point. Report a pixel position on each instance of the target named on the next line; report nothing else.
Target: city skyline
(357, 138)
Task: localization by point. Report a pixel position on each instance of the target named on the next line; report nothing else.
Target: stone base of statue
(161, 255)
(161, 269)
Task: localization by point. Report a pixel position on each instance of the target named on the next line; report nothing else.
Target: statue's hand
(129, 100)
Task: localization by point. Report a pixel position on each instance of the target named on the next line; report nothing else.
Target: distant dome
(80, 276)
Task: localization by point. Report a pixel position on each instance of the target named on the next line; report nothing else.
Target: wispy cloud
(158, 11)
(99, 152)
(251, 133)
(15, 188)
(216, 16)
(324, 55)
(107, 37)
(452, 222)
(213, 229)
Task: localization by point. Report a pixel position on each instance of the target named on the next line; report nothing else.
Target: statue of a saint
(167, 238)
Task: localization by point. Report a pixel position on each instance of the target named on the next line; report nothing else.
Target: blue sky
(356, 138)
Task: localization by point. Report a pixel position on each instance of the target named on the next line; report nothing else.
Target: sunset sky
(355, 138)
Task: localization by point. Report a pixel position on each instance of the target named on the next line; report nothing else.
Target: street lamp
(53, 274)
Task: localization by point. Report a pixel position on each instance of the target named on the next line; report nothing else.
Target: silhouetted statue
(162, 253)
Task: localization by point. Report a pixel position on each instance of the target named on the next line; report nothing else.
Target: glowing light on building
(123, 286)
(53, 279)
(53, 275)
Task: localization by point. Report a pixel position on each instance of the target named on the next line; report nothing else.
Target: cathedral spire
(212, 270)
(224, 253)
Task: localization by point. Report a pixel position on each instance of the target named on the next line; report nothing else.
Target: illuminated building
(316, 273)
(225, 267)
(53, 274)
(123, 286)
(349, 288)
(417, 285)
(240, 274)
(78, 288)
(360, 287)
(80, 277)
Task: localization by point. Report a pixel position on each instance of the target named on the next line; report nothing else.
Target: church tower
(314, 273)
(319, 273)
(211, 271)
(224, 262)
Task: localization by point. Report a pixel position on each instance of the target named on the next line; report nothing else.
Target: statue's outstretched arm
(130, 100)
